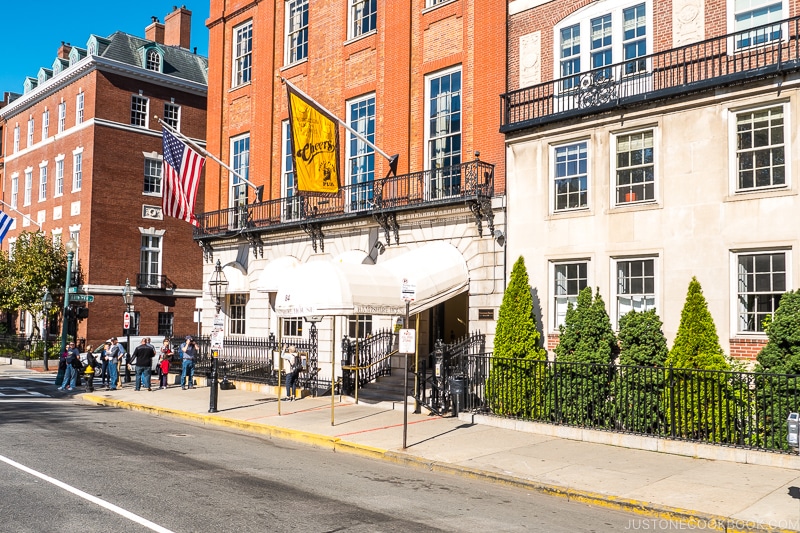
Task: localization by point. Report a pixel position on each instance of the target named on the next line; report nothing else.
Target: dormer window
(152, 60)
(30, 84)
(91, 46)
(74, 56)
(44, 75)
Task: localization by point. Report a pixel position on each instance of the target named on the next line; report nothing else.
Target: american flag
(5, 225)
(182, 167)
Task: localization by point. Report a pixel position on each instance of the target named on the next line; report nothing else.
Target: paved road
(140, 472)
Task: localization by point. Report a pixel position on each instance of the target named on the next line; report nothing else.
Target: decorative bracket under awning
(255, 244)
(208, 252)
(388, 221)
(315, 232)
(482, 210)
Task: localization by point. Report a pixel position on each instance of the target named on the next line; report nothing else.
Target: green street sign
(73, 290)
(81, 298)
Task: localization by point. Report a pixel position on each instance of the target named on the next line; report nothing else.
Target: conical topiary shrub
(516, 380)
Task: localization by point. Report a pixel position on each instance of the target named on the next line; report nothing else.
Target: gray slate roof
(178, 61)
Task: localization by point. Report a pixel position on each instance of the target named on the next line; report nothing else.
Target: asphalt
(668, 491)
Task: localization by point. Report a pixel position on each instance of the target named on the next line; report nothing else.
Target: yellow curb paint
(336, 444)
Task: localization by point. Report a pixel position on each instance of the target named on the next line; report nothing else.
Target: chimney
(63, 50)
(155, 31)
(178, 27)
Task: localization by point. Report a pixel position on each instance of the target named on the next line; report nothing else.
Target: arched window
(153, 60)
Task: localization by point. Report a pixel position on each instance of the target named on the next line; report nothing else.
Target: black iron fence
(763, 51)
(29, 349)
(743, 409)
(368, 358)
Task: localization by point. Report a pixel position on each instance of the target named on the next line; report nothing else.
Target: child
(164, 365)
(88, 372)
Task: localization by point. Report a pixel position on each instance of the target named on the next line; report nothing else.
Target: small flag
(315, 146)
(182, 167)
(5, 225)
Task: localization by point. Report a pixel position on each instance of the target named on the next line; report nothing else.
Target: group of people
(112, 356)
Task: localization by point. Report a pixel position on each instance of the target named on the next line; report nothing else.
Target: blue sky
(28, 46)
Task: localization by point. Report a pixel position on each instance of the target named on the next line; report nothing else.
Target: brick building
(83, 160)
(420, 78)
(650, 142)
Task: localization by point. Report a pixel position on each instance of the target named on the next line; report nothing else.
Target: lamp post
(47, 304)
(127, 297)
(71, 247)
(218, 287)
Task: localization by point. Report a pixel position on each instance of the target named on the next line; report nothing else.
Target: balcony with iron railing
(465, 183)
(151, 281)
(761, 52)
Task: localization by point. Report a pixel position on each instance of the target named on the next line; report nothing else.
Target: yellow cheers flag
(315, 146)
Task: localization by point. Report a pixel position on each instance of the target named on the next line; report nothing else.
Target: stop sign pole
(408, 293)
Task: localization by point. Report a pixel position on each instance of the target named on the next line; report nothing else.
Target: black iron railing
(743, 409)
(455, 184)
(758, 52)
(370, 356)
(151, 281)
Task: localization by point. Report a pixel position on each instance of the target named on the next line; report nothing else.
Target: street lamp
(47, 304)
(218, 287)
(71, 247)
(127, 297)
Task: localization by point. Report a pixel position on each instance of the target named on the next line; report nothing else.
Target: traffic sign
(73, 290)
(81, 297)
(408, 293)
(126, 321)
(407, 340)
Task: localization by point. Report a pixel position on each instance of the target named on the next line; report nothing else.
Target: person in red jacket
(164, 366)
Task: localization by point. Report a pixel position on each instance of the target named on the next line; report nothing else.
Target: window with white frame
(79, 99)
(59, 184)
(291, 207)
(12, 244)
(62, 116)
(77, 170)
(43, 181)
(240, 163)
(56, 238)
(292, 327)
(443, 134)
(152, 175)
(360, 155)
(296, 31)
(242, 53)
(45, 124)
(600, 35)
(569, 279)
(26, 199)
(172, 115)
(761, 279)
(760, 15)
(16, 138)
(14, 189)
(152, 60)
(150, 261)
(363, 17)
(635, 167)
(75, 235)
(237, 316)
(139, 106)
(30, 132)
(359, 326)
(760, 149)
(635, 285)
(570, 176)
(431, 3)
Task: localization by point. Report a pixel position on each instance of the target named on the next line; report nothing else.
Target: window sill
(437, 6)
(359, 37)
(152, 194)
(292, 65)
(759, 194)
(570, 213)
(240, 86)
(635, 206)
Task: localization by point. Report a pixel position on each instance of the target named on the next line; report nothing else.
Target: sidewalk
(670, 492)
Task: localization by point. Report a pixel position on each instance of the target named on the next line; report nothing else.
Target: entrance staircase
(387, 391)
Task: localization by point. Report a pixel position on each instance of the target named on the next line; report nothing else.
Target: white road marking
(94, 499)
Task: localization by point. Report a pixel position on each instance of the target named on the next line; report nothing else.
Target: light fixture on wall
(500, 237)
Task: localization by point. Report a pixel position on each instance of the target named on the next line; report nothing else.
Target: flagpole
(392, 159)
(21, 213)
(259, 190)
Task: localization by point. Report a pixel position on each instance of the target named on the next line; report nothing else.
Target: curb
(672, 516)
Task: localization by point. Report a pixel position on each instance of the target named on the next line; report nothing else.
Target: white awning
(237, 279)
(337, 288)
(324, 288)
(438, 269)
(275, 273)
